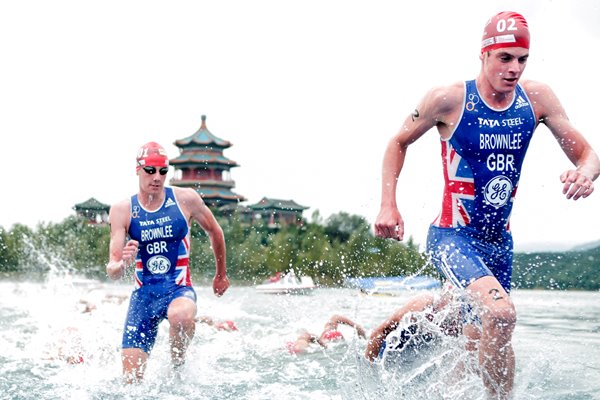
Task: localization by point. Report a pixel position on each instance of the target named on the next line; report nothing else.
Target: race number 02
(506, 25)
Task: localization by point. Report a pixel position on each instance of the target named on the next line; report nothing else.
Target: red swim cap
(152, 154)
(505, 29)
(333, 335)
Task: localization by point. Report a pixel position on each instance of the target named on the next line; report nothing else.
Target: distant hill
(554, 247)
(578, 268)
(587, 246)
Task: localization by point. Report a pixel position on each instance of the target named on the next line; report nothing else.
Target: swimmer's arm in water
(121, 253)
(205, 319)
(305, 338)
(335, 320)
(379, 334)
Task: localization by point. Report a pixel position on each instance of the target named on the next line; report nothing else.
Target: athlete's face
(503, 67)
(152, 179)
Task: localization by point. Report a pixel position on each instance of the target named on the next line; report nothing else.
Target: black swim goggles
(152, 170)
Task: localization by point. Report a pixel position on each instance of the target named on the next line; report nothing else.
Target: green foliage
(72, 245)
(566, 270)
(11, 247)
(330, 251)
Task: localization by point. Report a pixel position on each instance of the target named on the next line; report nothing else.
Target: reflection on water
(60, 340)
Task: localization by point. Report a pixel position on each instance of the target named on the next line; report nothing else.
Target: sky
(308, 92)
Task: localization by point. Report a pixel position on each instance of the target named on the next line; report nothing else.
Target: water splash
(442, 369)
(252, 363)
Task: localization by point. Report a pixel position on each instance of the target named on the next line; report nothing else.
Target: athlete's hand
(389, 224)
(220, 284)
(114, 269)
(576, 184)
(130, 251)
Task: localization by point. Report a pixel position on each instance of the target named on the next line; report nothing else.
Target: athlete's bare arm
(578, 182)
(379, 334)
(440, 107)
(196, 209)
(337, 319)
(121, 254)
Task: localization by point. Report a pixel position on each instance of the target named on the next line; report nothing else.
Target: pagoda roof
(235, 207)
(269, 204)
(202, 137)
(203, 158)
(220, 193)
(91, 204)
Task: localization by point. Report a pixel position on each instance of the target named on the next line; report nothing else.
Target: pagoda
(201, 165)
(93, 211)
(277, 212)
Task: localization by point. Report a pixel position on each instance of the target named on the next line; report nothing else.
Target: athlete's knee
(182, 312)
(501, 318)
(181, 318)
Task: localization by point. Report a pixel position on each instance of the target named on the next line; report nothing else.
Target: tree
(341, 225)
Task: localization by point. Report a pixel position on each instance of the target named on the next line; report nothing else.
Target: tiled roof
(267, 203)
(91, 204)
(211, 193)
(202, 137)
(202, 158)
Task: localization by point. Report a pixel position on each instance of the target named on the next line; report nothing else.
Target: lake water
(557, 345)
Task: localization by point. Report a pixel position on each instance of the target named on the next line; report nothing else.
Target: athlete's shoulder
(119, 212)
(535, 89)
(121, 205)
(189, 199)
(453, 91)
(544, 99)
(185, 193)
(445, 98)
(442, 104)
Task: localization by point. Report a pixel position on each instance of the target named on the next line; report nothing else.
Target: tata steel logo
(158, 265)
(498, 190)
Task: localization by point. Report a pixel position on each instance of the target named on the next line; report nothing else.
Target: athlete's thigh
(500, 263)
(141, 323)
(490, 294)
(456, 256)
(182, 304)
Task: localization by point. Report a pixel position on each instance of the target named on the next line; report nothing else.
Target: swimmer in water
(428, 305)
(330, 334)
(226, 325)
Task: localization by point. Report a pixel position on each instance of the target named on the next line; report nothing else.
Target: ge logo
(158, 264)
(498, 190)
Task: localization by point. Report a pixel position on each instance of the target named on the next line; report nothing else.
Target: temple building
(201, 165)
(276, 212)
(93, 211)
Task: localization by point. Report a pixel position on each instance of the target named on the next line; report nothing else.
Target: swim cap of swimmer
(505, 29)
(333, 335)
(151, 154)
